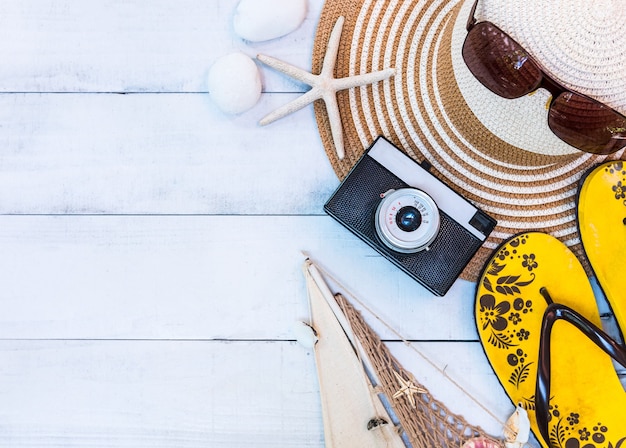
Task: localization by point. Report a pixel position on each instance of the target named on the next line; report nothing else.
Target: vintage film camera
(409, 216)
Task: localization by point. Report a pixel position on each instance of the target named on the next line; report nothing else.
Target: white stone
(235, 83)
(259, 20)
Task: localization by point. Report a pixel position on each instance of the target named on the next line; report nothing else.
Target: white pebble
(235, 83)
(305, 334)
(259, 20)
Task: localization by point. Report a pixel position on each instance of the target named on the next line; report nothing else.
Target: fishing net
(427, 423)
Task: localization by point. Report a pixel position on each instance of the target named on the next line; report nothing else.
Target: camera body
(409, 216)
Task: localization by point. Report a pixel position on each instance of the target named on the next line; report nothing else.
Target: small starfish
(323, 86)
(408, 389)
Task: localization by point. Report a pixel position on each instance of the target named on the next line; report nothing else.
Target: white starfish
(323, 86)
(408, 389)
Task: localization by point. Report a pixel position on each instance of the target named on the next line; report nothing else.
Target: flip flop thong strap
(554, 312)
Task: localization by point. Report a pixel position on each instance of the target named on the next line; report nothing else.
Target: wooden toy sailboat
(353, 412)
(356, 370)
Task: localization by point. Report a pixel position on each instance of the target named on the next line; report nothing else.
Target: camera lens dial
(407, 220)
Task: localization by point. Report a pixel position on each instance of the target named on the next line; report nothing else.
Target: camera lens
(409, 218)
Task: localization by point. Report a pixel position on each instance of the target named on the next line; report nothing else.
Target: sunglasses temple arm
(471, 20)
(553, 313)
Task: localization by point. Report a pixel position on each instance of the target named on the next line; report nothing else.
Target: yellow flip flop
(602, 226)
(545, 411)
(586, 403)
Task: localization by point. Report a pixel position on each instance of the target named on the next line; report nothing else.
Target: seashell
(517, 428)
(260, 20)
(305, 334)
(482, 442)
(376, 422)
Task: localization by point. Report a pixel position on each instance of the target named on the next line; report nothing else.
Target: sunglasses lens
(587, 124)
(499, 63)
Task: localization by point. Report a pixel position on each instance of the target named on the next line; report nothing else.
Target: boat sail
(355, 369)
(352, 411)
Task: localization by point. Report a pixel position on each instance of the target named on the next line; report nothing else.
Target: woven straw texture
(424, 110)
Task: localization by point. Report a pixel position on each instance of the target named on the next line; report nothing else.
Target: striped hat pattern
(498, 153)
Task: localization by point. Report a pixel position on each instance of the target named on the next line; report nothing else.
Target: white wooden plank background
(150, 246)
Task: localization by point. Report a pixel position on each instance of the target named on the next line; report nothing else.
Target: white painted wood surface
(150, 246)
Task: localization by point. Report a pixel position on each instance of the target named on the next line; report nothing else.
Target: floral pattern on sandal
(505, 318)
(619, 188)
(569, 432)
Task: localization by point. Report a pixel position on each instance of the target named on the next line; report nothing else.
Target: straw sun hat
(499, 153)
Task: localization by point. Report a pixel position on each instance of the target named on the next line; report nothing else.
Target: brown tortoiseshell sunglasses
(505, 67)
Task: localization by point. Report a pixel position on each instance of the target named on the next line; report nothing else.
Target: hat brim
(428, 109)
